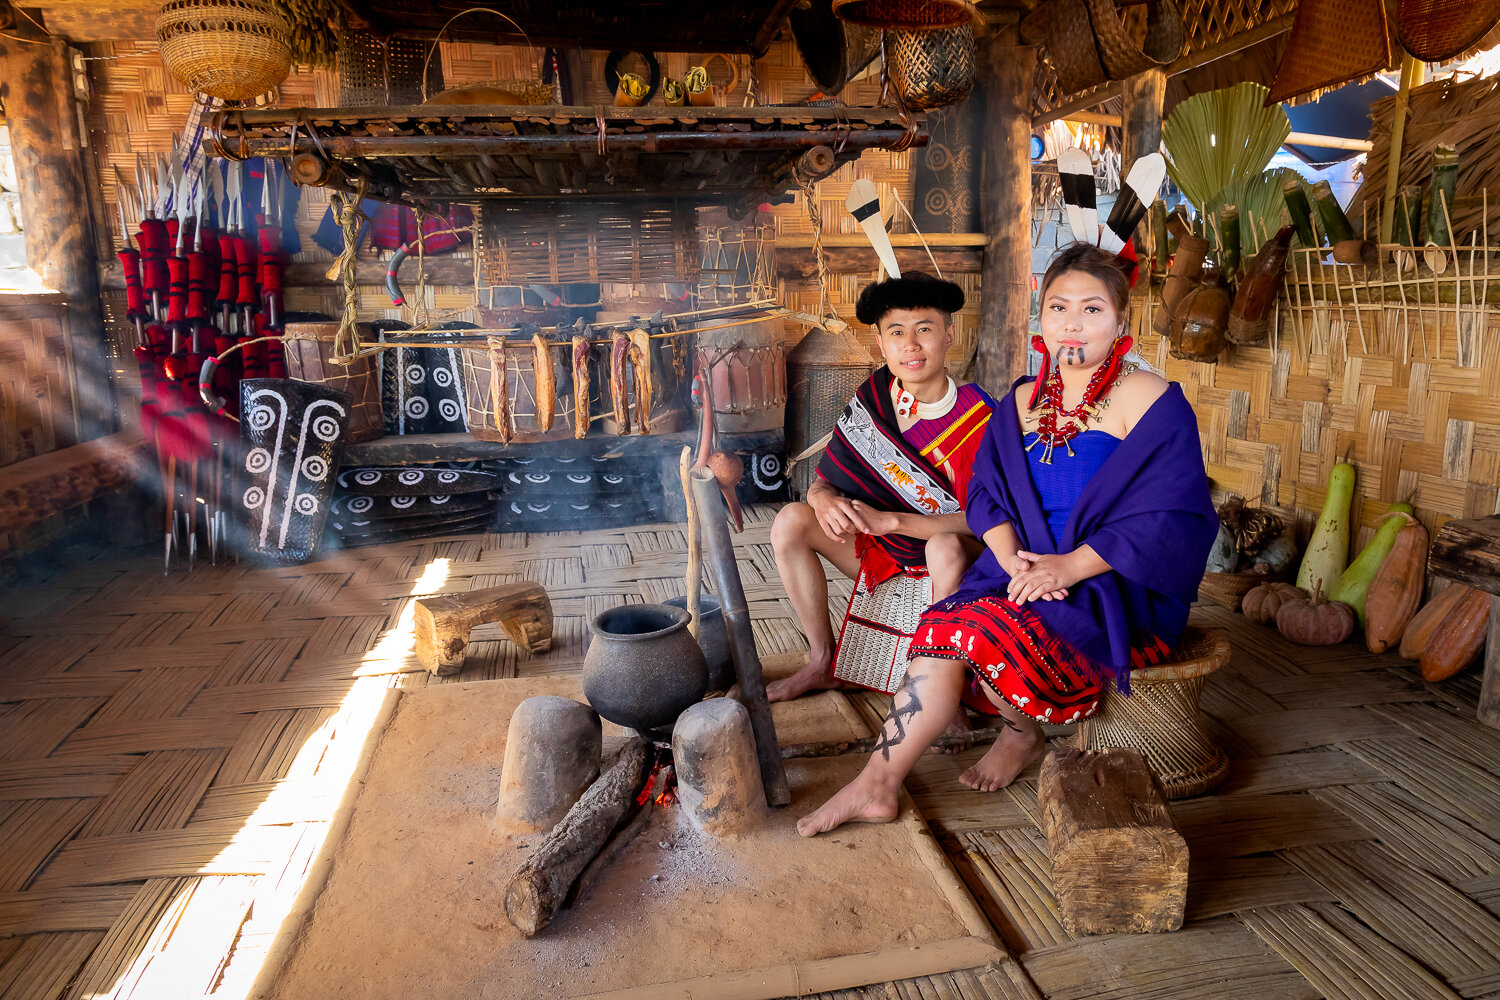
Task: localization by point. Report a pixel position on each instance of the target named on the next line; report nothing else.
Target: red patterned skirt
(1014, 654)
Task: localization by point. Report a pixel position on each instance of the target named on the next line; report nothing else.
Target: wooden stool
(444, 623)
(1160, 717)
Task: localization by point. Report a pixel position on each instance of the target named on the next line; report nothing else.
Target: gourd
(1396, 591)
(1222, 558)
(1459, 639)
(1315, 622)
(1328, 549)
(1422, 627)
(1354, 584)
(1261, 603)
(1276, 557)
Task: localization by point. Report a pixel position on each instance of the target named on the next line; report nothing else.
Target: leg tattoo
(900, 713)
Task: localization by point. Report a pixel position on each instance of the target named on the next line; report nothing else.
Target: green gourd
(1354, 585)
(1327, 551)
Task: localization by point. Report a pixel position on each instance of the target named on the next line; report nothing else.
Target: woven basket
(1160, 717)
(1126, 52)
(1227, 590)
(376, 71)
(1070, 43)
(309, 353)
(933, 69)
(576, 241)
(913, 15)
(230, 49)
(1331, 41)
(1438, 30)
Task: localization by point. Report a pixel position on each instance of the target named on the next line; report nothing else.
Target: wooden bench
(443, 623)
(34, 489)
(1469, 551)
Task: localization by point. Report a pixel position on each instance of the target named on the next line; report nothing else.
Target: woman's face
(1079, 321)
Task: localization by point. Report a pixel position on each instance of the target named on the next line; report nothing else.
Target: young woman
(1090, 496)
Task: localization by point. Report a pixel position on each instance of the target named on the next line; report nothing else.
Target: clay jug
(1182, 276)
(643, 667)
(1201, 318)
(712, 639)
(1250, 320)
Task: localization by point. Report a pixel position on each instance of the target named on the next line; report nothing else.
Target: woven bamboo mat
(174, 751)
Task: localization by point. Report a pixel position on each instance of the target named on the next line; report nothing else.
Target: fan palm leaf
(1221, 140)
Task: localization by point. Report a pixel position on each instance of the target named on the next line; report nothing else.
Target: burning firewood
(540, 888)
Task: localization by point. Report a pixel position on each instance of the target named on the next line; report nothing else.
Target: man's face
(915, 342)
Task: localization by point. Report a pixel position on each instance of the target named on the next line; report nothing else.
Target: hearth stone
(718, 774)
(552, 754)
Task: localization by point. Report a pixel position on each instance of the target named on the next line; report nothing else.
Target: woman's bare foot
(1011, 754)
(959, 724)
(860, 801)
(816, 676)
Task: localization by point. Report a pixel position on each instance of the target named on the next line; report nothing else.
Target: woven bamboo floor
(175, 750)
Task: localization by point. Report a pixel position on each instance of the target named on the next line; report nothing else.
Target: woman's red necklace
(1057, 425)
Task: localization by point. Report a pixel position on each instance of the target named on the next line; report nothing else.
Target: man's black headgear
(913, 290)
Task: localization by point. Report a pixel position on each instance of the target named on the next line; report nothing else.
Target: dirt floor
(414, 906)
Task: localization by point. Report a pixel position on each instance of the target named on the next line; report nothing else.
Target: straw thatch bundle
(1466, 115)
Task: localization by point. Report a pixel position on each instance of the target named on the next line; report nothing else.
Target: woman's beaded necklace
(1048, 430)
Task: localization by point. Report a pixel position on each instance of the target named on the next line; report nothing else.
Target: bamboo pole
(1411, 73)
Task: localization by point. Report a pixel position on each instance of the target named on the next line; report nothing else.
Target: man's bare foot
(959, 724)
(816, 676)
(860, 801)
(1011, 754)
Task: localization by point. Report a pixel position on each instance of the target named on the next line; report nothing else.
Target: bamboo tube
(1300, 211)
(1229, 241)
(1335, 222)
(1440, 194)
(1159, 233)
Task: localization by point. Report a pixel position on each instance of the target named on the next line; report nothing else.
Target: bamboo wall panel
(37, 411)
(1411, 391)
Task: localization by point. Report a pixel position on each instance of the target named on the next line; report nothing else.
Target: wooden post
(1006, 70)
(1489, 691)
(1145, 96)
(1412, 72)
(60, 242)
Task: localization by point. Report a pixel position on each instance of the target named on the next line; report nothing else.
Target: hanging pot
(1198, 328)
(1182, 277)
(833, 50)
(293, 435)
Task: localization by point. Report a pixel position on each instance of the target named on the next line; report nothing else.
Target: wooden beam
(60, 247)
(958, 253)
(1411, 75)
(1468, 550)
(1006, 71)
(37, 488)
(1328, 142)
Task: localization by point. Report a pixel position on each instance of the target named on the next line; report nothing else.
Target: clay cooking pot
(643, 667)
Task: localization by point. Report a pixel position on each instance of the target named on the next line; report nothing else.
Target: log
(443, 623)
(1489, 691)
(1118, 862)
(837, 748)
(1468, 550)
(538, 890)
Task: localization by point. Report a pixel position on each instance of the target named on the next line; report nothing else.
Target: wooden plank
(1233, 884)
(1435, 924)
(1239, 825)
(1468, 550)
(1295, 772)
(1435, 842)
(1218, 960)
(1341, 957)
(37, 488)
(78, 908)
(1305, 728)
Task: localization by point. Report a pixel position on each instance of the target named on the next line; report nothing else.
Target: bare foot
(860, 801)
(1004, 761)
(959, 724)
(816, 676)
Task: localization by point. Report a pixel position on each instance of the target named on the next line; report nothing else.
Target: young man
(891, 486)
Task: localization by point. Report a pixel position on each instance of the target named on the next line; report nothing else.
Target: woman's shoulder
(1136, 392)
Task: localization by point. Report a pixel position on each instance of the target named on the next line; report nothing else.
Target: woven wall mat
(1458, 736)
(198, 849)
(1236, 884)
(79, 908)
(160, 793)
(1305, 728)
(42, 964)
(1218, 959)
(1432, 841)
(1436, 924)
(35, 728)
(76, 776)
(1240, 825)
(1452, 785)
(32, 831)
(1341, 957)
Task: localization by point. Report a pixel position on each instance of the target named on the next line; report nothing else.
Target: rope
(346, 346)
(825, 274)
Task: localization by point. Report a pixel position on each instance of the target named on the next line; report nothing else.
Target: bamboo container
(1408, 222)
(1229, 241)
(1300, 211)
(1187, 265)
(1198, 327)
(1440, 195)
(1159, 234)
(1250, 319)
(1335, 223)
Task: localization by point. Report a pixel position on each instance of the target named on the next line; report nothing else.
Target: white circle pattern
(254, 497)
(416, 407)
(259, 460)
(306, 503)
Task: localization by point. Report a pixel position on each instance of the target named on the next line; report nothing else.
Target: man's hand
(875, 522)
(836, 515)
(1041, 577)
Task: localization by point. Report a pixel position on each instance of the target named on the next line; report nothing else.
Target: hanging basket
(912, 15)
(932, 69)
(230, 49)
(1125, 49)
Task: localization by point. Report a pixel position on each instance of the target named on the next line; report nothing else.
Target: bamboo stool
(1160, 717)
